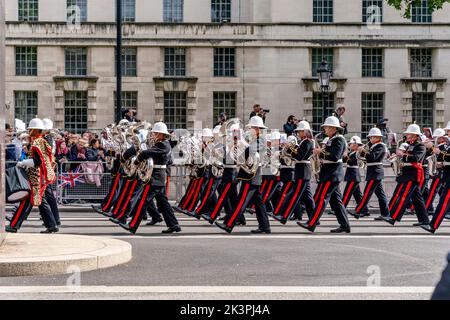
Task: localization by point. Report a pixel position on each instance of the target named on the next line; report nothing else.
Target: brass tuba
(316, 164)
(145, 168)
(288, 150)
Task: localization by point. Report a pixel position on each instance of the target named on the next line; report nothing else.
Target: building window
(76, 61)
(322, 10)
(128, 10)
(372, 62)
(75, 111)
(224, 62)
(372, 11)
(372, 108)
(318, 54)
(421, 63)
(25, 105)
(220, 11)
(175, 62)
(420, 12)
(28, 10)
(224, 102)
(175, 109)
(129, 62)
(129, 101)
(26, 61)
(75, 7)
(173, 11)
(423, 109)
(318, 116)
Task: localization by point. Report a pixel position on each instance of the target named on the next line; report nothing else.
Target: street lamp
(118, 61)
(324, 80)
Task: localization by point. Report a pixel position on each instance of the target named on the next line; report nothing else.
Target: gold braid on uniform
(40, 177)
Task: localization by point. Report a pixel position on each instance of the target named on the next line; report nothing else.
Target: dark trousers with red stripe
(435, 189)
(294, 193)
(374, 186)
(146, 196)
(328, 191)
(443, 207)
(113, 193)
(227, 196)
(23, 210)
(404, 193)
(269, 192)
(209, 196)
(248, 194)
(194, 194)
(352, 189)
(130, 194)
(122, 196)
(187, 193)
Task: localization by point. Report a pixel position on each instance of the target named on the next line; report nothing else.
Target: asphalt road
(376, 261)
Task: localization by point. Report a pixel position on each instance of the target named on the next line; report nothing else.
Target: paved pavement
(402, 262)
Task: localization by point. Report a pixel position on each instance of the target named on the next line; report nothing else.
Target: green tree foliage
(406, 5)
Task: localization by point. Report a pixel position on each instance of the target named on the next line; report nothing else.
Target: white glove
(28, 163)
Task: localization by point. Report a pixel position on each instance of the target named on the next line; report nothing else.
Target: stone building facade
(190, 60)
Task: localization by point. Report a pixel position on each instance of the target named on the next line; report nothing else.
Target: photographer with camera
(260, 112)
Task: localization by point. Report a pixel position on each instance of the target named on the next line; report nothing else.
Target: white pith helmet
(332, 122)
(124, 121)
(413, 129)
(160, 127)
(36, 123)
(356, 140)
(439, 132)
(256, 122)
(276, 135)
(48, 123)
(374, 132)
(207, 133)
(303, 125)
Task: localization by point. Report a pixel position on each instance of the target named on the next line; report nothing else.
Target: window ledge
(422, 79)
(79, 78)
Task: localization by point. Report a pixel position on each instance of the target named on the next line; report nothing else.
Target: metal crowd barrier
(81, 193)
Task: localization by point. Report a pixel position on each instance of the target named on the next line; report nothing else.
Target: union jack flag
(71, 178)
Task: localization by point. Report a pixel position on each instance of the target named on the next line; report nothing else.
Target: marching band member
(271, 181)
(436, 181)
(119, 180)
(251, 182)
(40, 170)
(374, 175)
(300, 189)
(210, 199)
(206, 188)
(227, 190)
(49, 193)
(156, 188)
(443, 207)
(410, 180)
(195, 183)
(353, 175)
(331, 174)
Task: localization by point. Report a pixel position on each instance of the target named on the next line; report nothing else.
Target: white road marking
(211, 289)
(280, 236)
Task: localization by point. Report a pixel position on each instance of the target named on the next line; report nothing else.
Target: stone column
(2, 121)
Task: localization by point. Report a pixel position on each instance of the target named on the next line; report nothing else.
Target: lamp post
(324, 80)
(118, 60)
